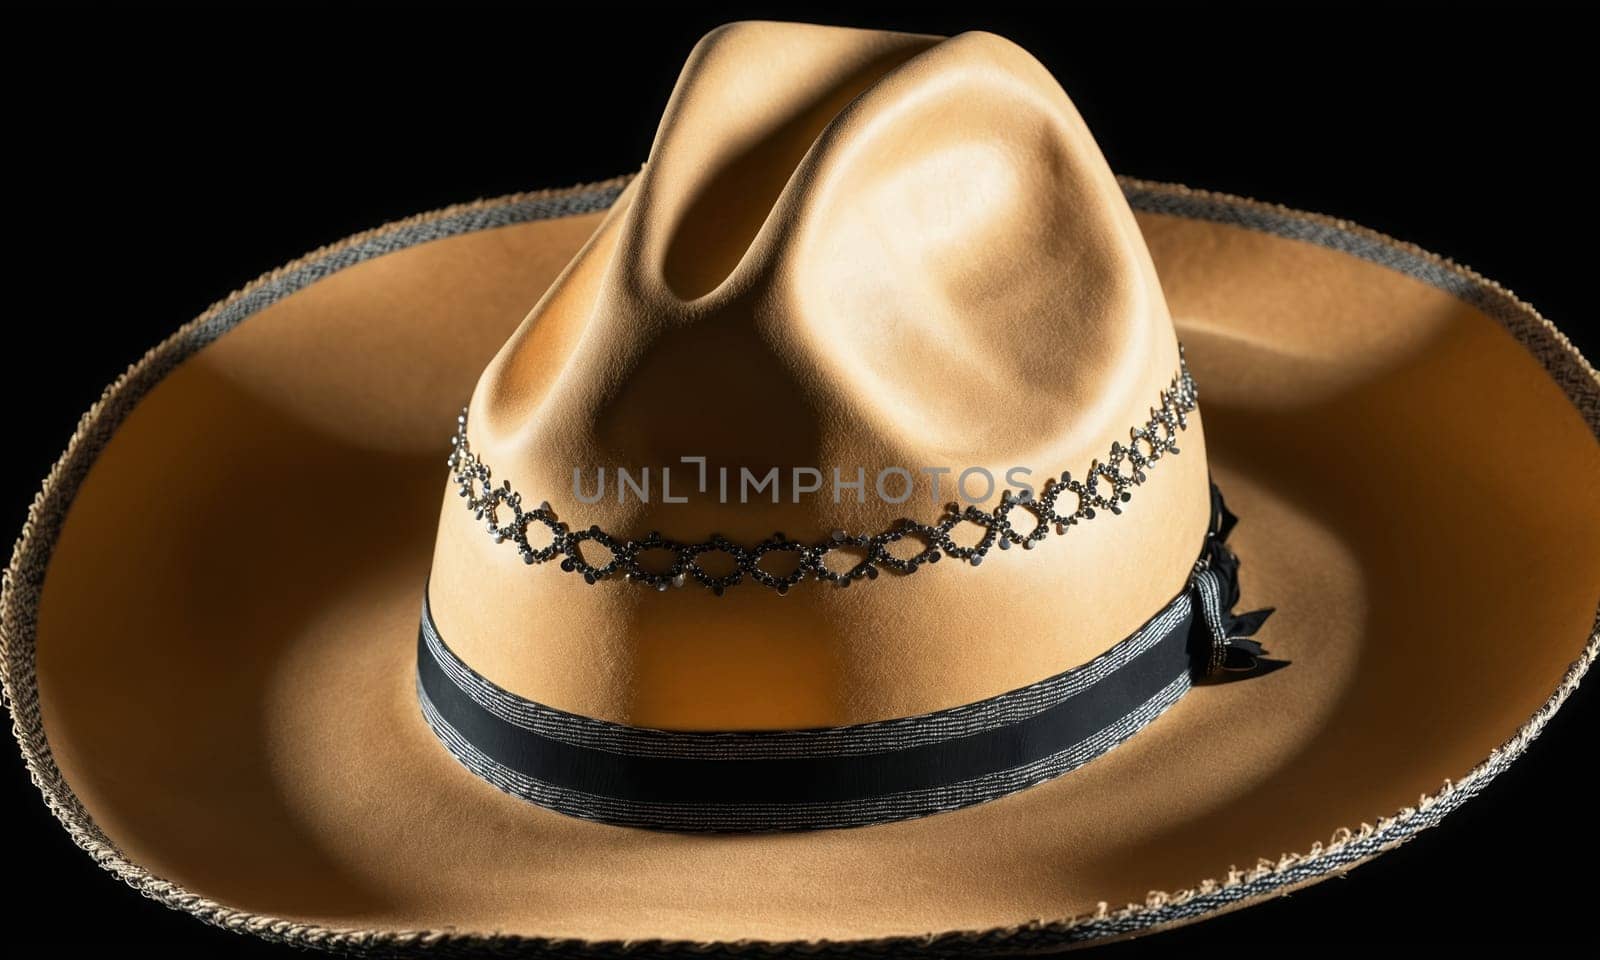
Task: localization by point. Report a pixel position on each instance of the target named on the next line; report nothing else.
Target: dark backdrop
(167, 157)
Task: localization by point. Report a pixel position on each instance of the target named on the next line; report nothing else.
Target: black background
(164, 158)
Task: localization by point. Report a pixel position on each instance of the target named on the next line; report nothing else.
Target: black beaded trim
(1107, 486)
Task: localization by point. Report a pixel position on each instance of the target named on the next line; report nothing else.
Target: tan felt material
(902, 252)
(226, 634)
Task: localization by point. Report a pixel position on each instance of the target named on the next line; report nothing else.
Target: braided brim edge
(23, 580)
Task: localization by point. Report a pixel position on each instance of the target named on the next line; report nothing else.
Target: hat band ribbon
(851, 775)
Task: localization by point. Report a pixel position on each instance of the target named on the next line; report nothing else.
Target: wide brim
(209, 621)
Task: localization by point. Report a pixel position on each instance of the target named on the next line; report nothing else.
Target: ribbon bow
(1221, 640)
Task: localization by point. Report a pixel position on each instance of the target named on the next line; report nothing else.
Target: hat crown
(853, 251)
(848, 249)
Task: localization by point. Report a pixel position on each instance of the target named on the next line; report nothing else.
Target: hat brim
(209, 622)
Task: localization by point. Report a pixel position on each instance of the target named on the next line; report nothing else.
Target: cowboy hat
(226, 657)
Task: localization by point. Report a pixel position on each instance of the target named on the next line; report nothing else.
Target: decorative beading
(1107, 485)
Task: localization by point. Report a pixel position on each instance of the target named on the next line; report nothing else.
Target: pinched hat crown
(892, 268)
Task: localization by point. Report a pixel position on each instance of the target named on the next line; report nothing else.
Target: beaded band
(847, 776)
(1107, 486)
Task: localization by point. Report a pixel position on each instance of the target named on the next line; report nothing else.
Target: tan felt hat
(372, 611)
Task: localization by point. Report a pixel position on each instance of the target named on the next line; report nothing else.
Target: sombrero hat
(261, 675)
